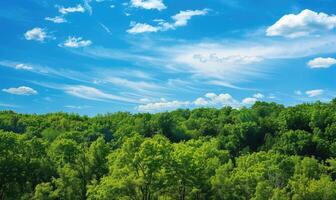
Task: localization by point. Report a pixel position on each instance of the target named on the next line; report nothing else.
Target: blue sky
(98, 56)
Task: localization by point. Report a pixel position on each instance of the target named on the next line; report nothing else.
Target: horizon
(93, 57)
(160, 112)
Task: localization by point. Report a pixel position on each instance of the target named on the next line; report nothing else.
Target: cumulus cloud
(37, 34)
(56, 20)
(212, 99)
(314, 93)
(162, 106)
(179, 20)
(305, 23)
(141, 28)
(249, 100)
(92, 93)
(73, 42)
(321, 62)
(22, 90)
(22, 66)
(148, 4)
(208, 100)
(64, 11)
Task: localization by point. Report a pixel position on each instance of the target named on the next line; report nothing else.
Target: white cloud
(213, 99)
(249, 100)
(91, 93)
(47, 70)
(76, 107)
(74, 42)
(179, 20)
(305, 23)
(321, 62)
(148, 4)
(37, 34)
(201, 102)
(230, 62)
(23, 67)
(78, 8)
(22, 90)
(141, 28)
(209, 100)
(135, 85)
(226, 63)
(8, 105)
(56, 20)
(258, 96)
(314, 93)
(162, 106)
(182, 18)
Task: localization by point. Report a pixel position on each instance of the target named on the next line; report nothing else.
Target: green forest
(267, 151)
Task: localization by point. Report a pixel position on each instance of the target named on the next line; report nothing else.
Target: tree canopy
(268, 151)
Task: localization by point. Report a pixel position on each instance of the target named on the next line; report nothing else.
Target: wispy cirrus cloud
(137, 28)
(232, 62)
(179, 20)
(106, 29)
(226, 63)
(6, 105)
(142, 86)
(76, 107)
(22, 66)
(56, 19)
(88, 92)
(92, 93)
(55, 72)
(314, 93)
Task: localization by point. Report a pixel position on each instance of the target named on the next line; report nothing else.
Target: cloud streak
(78, 8)
(91, 93)
(180, 19)
(56, 20)
(314, 93)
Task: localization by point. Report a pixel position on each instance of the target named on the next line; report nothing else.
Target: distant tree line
(268, 151)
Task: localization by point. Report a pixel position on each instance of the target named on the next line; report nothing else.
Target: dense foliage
(267, 151)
